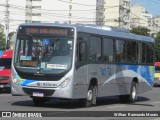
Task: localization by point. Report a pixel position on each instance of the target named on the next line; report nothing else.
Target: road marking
(115, 107)
(5, 95)
(155, 102)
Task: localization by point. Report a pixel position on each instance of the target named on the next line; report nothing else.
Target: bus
(5, 70)
(83, 62)
(157, 74)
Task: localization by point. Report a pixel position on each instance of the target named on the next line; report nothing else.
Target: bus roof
(117, 32)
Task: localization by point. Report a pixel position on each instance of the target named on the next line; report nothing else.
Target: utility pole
(7, 22)
(70, 11)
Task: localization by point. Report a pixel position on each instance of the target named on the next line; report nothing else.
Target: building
(139, 16)
(113, 12)
(154, 25)
(16, 14)
(70, 11)
(27, 11)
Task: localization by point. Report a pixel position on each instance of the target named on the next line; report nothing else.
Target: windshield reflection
(47, 54)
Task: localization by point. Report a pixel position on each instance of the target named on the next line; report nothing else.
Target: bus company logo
(6, 114)
(38, 84)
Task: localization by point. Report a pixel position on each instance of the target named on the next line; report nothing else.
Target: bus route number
(105, 71)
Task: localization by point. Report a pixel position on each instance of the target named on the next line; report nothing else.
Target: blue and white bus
(82, 62)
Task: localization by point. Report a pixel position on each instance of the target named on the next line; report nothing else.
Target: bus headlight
(15, 81)
(64, 83)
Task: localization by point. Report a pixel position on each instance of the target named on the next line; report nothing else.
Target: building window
(36, 21)
(36, 14)
(35, 7)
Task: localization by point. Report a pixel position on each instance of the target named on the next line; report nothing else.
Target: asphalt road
(64, 109)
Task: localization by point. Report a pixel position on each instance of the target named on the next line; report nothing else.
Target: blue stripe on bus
(26, 82)
(147, 72)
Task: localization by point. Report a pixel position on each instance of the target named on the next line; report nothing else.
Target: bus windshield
(43, 54)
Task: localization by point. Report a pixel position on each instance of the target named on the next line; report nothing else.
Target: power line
(48, 13)
(76, 3)
(86, 4)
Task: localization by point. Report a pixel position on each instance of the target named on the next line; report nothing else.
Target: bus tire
(132, 96)
(38, 101)
(133, 93)
(91, 97)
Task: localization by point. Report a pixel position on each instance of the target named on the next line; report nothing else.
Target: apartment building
(154, 25)
(139, 16)
(113, 12)
(70, 11)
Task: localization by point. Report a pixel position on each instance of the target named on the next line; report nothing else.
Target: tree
(2, 39)
(10, 42)
(140, 31)
(157, 47)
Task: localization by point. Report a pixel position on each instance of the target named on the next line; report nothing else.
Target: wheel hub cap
(89, 95)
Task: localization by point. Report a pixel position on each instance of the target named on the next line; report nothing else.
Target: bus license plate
(37, 94)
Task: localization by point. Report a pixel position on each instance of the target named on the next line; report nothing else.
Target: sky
(151, 6)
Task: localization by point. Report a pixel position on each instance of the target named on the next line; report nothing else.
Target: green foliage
(10, 40)
(157, 47)
(2, 39)
(140, 31)
(10, 35)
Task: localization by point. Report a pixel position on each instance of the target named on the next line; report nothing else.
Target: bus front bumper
(18, 90)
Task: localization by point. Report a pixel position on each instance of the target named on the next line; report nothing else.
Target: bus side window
(82, 51)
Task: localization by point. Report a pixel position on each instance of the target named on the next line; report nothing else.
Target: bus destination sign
(53, 31)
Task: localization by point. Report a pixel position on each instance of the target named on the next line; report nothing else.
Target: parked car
(157, 74)
(5, 69)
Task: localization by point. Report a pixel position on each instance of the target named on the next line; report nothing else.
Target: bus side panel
(117, 79)
(114, 82)
(80, 82)
(113, 79)
(144, 75)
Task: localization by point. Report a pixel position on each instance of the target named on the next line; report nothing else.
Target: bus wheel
(38, 101)
(91, 97)
(133, 94)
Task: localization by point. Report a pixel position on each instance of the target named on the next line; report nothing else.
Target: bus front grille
(46, 92)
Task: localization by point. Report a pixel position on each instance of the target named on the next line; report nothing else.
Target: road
(148, 101)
